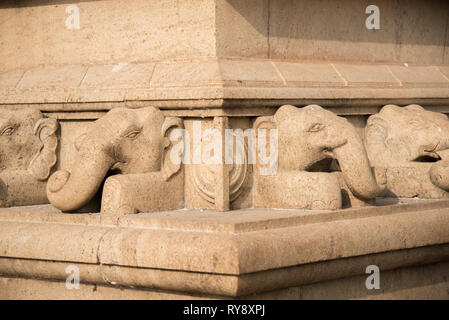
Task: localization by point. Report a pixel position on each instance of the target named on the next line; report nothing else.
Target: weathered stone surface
(110, 32)
(29, 289)
(187, 74)
(210, 83)
(329, 30)
(11, 79)
(121, 75)
(401, 141)
(422, 282)
(414, 76)
(134, 143)
(307, 138)
(309, 74)
(223, 254)
(69, 76)
(367, 76)
(225, 64)
(28, 153)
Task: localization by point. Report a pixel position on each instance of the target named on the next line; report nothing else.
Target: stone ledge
(192, 284)
(224, 83)
(427, 281)
(228, 254)
(234, 222)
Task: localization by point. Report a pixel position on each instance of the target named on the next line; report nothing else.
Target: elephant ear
(376, 137)
(168, 167)
(266, 122)
(414, 107)
(42, 163)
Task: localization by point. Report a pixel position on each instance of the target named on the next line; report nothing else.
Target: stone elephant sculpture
(307, 139)
(28, 147)
(410, 145)
(132, 146)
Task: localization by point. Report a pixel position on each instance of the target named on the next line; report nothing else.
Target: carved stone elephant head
(308, 136)
(411, 141)
(28, 146)
(124, 141)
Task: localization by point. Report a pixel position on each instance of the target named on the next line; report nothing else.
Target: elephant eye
(132, 134)
(415, 123)
(7, 131)
(316, 127)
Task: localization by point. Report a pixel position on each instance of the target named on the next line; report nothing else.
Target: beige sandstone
(308, 138)
(132, 143)
(227, 254)
(427, 282)
(408, 146)
(29, 144)
(361, 127)
(283, 29)
(241, 86)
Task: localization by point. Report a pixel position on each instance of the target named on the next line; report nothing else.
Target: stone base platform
(252, 253)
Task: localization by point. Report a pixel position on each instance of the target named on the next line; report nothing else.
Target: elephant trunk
(69, 191)
(356, 169)
(439, 174)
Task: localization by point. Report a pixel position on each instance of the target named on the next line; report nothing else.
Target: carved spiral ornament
(204, 178)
